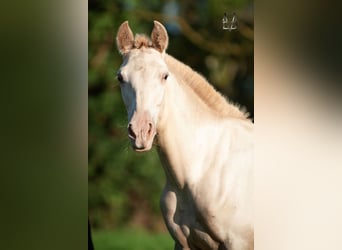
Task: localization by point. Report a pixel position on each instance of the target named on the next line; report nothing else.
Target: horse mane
(218, 103)
(206, 92)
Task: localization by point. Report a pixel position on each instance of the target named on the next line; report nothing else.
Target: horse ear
(124, 38)
(159, 37)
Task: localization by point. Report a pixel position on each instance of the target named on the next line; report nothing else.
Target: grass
(131, 239)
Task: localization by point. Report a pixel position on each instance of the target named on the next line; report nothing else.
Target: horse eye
(119, 77)
(165, 76)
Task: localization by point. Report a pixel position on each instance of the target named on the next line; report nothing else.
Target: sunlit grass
(129, 239)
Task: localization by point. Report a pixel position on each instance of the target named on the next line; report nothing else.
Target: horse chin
(141, 148)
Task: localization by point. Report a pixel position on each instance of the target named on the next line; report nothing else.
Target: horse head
(142, 76)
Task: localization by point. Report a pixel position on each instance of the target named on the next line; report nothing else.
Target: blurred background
(124, 187)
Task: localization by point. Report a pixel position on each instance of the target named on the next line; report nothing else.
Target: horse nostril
(131, 133)
(150, 128)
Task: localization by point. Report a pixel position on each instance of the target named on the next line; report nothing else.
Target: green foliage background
(124, 187)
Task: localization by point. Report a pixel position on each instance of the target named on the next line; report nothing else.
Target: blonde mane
(203, 89)
(197, 83)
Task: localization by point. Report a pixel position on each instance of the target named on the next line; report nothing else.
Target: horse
(204, 142)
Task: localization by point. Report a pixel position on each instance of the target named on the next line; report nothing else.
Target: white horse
(205, 144)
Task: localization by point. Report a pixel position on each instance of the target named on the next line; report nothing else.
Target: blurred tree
(124, 187)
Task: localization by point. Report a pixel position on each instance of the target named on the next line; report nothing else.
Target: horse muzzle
(141, 131)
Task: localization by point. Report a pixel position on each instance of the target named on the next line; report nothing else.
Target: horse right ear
(124, 38)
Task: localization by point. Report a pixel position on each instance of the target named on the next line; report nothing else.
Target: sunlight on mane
(204, 90)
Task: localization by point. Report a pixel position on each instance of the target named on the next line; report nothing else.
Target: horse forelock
(142, 41)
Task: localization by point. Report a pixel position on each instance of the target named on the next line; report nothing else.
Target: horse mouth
(140, 146)
(140, 150)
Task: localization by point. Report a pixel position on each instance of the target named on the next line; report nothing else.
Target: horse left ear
(159, 37)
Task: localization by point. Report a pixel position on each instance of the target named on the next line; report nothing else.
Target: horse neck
(182, 116)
